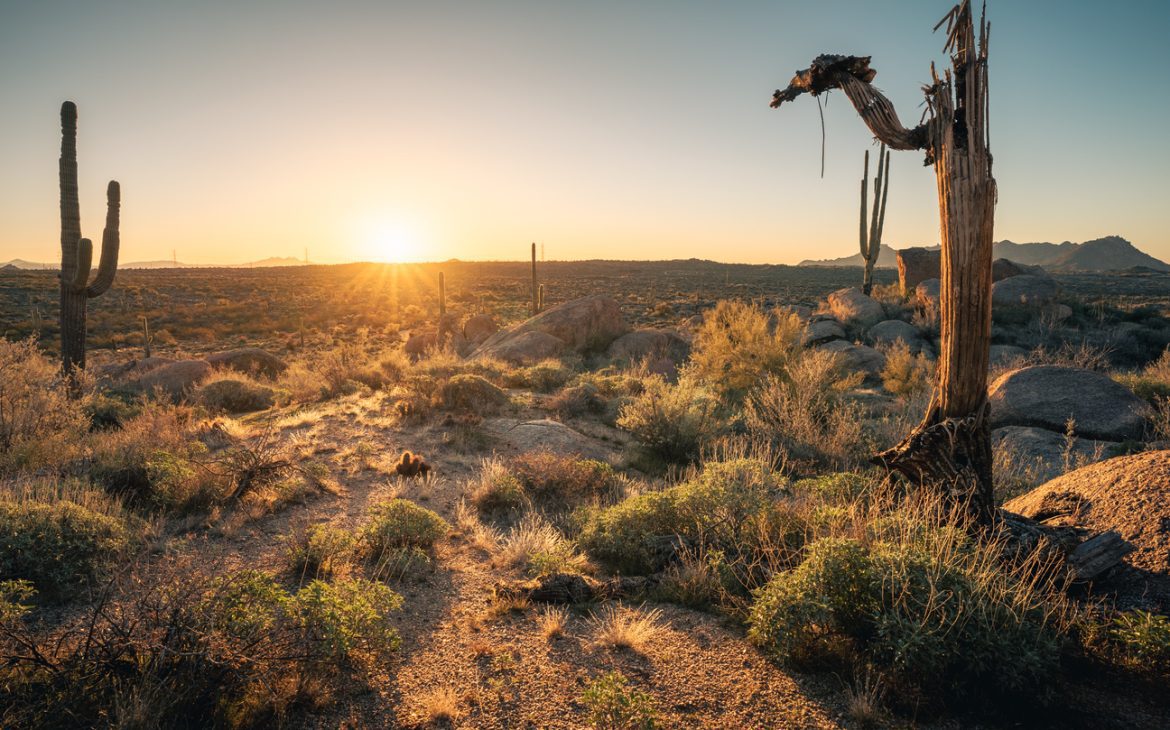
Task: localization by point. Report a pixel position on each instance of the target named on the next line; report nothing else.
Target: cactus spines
(871, 240)
(77, 252)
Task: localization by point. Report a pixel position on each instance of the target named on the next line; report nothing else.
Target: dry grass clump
(540, 549)
(617, 627)
(543, 377)
(495, 490)
(440, 705)
(906, 374)
(555, 480)
(804, 413)
(318, 550)
(552, 621)
(39, 424)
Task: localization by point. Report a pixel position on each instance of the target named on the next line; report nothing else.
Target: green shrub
(613, 705)
(106, 412)
(563, 480)
(40, 424)
(921, 599)
(471, 393)
(496, 490)
(729, 505)
(739, 343)
(61, 546)
(402, 563)
(347, 616)
(1144, 637)
(674, 420)
(318, 550)
(401, 523)
(235, 395)
(544, 376)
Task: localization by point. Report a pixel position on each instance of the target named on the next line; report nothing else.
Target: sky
(601, 129)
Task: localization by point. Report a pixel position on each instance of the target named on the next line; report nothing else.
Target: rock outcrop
(852, 307)
(1047, 396)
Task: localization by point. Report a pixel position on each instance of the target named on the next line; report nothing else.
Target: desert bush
(544, 376)
(617, 627)
(40, 424)
(471, 393)
(921, 598)
(317, 550)
(1152, 383)
(614, 706)
(558, 480)
(738, 343)
(237, 650)
(729, 506)
(804, 413)
(673, 420)
(63, 537)
(539, 549)
(1143, 637)
(905, 373)
(234, 394)
(107, 412)
(400, 523)
(402, 563)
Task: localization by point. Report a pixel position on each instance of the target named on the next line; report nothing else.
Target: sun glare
(391, 241)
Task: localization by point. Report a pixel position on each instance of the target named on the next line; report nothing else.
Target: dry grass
(863, 701)
(539, 548)
(617, 627)
(552, 621)
(440, 706)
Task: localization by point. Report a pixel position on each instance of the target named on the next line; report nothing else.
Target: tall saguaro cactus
(871, 239)
(77, 252)
(535, 304)
(951, 448)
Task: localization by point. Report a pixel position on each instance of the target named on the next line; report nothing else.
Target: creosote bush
(318, 550)
(558, 480)
(400, 523)
(613, 705)
(673, 420)
(496, 490)
(39, 423)
(63, 538)
(921, 598)
(905, 373)
(738, 343)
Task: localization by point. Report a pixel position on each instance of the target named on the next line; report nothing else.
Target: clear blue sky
(439, 129)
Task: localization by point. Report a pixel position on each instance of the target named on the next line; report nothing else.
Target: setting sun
(391, 240)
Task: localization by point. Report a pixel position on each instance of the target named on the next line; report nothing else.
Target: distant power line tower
(174, 258)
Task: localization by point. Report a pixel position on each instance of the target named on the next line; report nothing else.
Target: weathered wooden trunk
(951, 448)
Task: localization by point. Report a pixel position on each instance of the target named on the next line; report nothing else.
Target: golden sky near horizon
(403, 131)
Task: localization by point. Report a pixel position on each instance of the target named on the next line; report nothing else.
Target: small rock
(822, 331)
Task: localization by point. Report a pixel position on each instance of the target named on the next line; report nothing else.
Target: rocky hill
(1112, 253)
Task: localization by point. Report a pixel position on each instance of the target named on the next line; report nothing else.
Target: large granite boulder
(852, 307)
(1026, 291)
(251, 360)
(916, 265)
(589, 324)
(1129, 494)
(1047, 396)
(1045, 454)
(821, 331)
(479, 327)
(523, 348)
(893, 330)
(858, 358)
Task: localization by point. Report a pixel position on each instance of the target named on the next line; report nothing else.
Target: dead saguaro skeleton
(951, 448)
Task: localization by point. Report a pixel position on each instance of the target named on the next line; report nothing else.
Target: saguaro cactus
(77, 252)
(535, 306)
(951, 448)
(871, 240)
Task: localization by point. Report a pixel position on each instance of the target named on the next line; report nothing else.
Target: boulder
(479, 327)
(251, 360)
(1026, 291)
(1005, 269)
(892, 330)
(471, 393)
(1005, 355)
(928, 293)
(132, 369)
(523, 348)
(650, 344)
(822, 331)
(1129, 494)
(175, 380)
(523, 436)
(1047, 396)
(850, 306)
(588, 324)
(858, 358)
(916, 265)
(1047, 454)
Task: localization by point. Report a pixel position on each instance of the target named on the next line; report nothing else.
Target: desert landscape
(916, 486)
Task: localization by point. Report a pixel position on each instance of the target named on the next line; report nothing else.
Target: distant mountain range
(167, 264)
(1112, 253)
